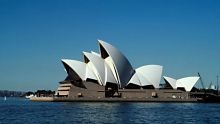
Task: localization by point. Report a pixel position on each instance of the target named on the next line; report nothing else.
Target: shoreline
(111, 100)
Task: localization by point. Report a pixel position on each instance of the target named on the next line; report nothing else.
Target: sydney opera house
(110, 74)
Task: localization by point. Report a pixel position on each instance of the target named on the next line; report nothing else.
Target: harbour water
(20, 110)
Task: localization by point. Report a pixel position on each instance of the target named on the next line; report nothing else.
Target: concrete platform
(42, 99)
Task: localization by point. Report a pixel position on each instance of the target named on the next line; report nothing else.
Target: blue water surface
(20, 110)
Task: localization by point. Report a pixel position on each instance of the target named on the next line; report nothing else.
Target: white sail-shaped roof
(187, 82)
(89, 73)
(143, 80)
(152, 73)
(92, 67)
(113, 67)
(97, 64)
(95, 53)
(78, 67)
(109, 77)
(135, 80)
(110, 63)
(171, 81)
(122, 66)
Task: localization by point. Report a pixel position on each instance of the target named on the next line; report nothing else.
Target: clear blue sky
(181, 35)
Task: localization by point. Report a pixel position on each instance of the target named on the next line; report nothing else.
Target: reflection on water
(15, 110)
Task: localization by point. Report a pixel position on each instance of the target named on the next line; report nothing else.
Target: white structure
(136, 80)
(110, 66)
(171, 81)
(97, 65)
(187, 83)
(118, 63)
(75, 69)
(100, 68)
(152, 73)
(147, 75)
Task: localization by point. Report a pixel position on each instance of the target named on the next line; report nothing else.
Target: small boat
(5, 98)
(30, 96)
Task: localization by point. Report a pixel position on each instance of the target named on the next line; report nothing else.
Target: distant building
(110, 71)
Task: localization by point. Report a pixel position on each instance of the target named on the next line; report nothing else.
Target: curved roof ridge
(122, 66)
(98, 66)
(171, 81)
(188, 82)
(135, 80)
(77, 66)
(152, 73)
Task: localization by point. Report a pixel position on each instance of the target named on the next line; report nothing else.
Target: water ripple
(16, 111)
